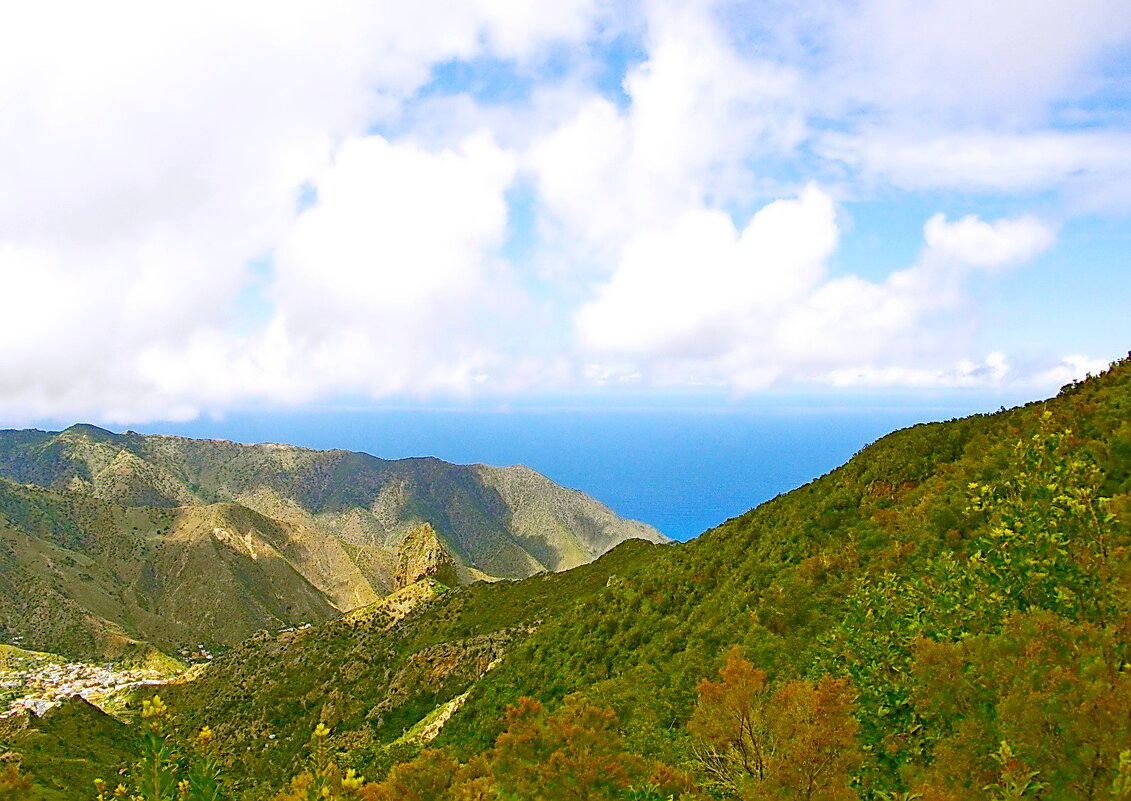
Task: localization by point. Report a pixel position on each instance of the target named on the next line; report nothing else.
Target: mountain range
(947, 616)
(112, 543)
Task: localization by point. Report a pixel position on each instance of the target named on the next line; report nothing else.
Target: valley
(945, 613)
(112, 545)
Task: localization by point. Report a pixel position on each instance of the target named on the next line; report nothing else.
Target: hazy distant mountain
(107, 539)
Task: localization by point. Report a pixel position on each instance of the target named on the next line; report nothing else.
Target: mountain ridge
(278, 535)
(959, 591)
(812, 584)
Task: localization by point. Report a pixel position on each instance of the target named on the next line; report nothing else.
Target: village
(41, 683)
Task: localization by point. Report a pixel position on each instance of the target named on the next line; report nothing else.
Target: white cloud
(966, 60)
(964, 373)
(584, 155)
(699, 287)
(370, 294)
(151, 152)
(701, 302)
(975, 243)
(520, 29)
(698, 111)
(1071, 368)
(400, 252)
(153, 156)
(985, 161)
(1005, 97)
(903, 328)
(392, 226)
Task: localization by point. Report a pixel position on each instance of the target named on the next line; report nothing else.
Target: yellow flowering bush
(164, 771)
(324, 781)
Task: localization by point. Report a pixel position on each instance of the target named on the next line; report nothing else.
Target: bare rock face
(424, 555)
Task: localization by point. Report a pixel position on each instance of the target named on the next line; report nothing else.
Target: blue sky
(208, 209)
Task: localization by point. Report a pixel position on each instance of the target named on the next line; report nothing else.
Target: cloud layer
(205, 206)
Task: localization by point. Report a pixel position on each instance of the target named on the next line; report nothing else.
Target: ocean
(682, 471)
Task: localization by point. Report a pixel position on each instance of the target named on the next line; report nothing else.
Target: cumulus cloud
(518, 29)
(919, 321)
(975, 243)
(369, 294)
(280, 201)
(152, 153)
(698, 110)
(1073, 367)
(704, 303)
(399, 254)
(696, 289)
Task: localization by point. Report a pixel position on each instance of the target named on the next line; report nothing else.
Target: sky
(212, 208)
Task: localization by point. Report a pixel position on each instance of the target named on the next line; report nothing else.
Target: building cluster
(41, 685)
(198, 654)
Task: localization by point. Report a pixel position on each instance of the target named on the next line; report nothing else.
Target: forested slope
(372, 674)
(969, 579)
(944, 617)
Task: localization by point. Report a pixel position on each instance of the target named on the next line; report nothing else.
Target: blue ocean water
(682, 471)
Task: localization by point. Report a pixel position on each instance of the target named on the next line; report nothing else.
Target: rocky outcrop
(119, 538)
(424, 555)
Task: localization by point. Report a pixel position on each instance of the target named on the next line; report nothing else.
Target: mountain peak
(424, 555)
(274, 535)
(91, 431)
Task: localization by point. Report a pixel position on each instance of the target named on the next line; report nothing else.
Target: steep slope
(489, 515)
(968, 582)
(375, 672)
(798, 583)
(560, 528)
(88, 577)
(67, 748)
(425, 556)
(187, 542)
(359, 498)
(972, 579)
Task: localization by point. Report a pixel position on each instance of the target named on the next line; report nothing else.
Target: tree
(427, 777)
(324, 780)
(1050, 535)
(575, 753)
(798, 741)
(15, 785)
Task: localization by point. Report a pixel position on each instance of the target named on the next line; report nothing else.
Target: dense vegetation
(944, 617)
(919, 572)
(372, 674)
(968, 579)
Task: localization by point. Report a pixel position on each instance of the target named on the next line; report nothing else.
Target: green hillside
(493, 518)
(944, 617)
(373, 673)
(922, 571)
(109, 542)
(66, 749)
(87, 577)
